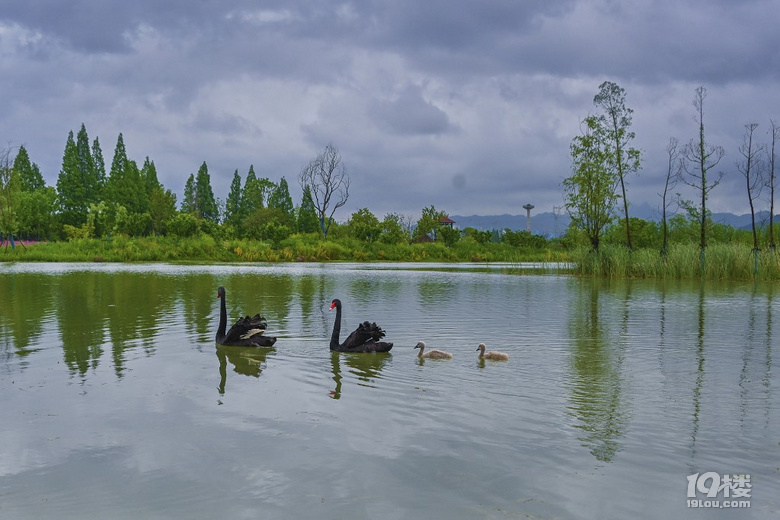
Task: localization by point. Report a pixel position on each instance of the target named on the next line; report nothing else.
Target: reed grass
(682, 261)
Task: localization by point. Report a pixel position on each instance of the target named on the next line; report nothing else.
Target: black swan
(246, 332)
(495, 356)
(432, 354)
(364, 339)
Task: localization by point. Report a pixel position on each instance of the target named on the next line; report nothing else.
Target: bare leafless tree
(327, 179)
(774, 134)
(750, 166)
(673, 170)
(700, 159)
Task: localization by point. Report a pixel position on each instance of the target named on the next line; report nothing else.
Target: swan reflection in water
(245, 361)
(366, 368)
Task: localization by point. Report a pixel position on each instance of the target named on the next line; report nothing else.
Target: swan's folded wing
(247, 327)
(366, 332)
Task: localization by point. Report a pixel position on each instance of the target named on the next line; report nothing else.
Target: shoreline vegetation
(726, 261)
(298, 248)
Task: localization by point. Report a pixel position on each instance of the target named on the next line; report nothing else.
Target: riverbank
(206, 249)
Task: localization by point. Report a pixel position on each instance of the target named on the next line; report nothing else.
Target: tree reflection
(26, 308)
(81, 315)
(247, 361)
(366, 367)
(597, 387)
(697, 387)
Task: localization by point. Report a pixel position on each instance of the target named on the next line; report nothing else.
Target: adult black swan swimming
(246, 332)
(364, 339)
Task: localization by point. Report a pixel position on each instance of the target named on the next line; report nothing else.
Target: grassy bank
(721, 262)
(308, 248)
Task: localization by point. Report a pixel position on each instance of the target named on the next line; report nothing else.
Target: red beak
(332, 305)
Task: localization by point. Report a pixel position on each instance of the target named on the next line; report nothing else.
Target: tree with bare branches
(328, 182)
(750, 166)
(774, 134)
(700, 159)
(673, 170)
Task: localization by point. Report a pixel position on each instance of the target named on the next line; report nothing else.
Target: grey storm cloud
(410, 114)
(467, 105)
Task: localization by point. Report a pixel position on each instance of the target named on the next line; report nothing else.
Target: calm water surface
(117, 404)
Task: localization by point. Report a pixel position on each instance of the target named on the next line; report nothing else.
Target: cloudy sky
(466, 105)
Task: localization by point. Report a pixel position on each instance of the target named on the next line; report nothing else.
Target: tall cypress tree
(119, 162)
(86, 165)
(124, 186)
(280, 198)
(29, 173)
(205, 203)
(99, 165)
(188, 202)
(308, 221)
(249, 196)
(233, 202)
(70, 186)
(149, 176)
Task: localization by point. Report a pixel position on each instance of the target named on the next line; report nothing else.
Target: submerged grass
(720, 262)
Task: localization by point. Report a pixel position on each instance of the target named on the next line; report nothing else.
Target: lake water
(117, 404)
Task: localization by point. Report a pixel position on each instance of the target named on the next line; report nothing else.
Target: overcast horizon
(469, 106)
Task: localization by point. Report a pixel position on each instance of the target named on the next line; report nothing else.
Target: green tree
(183, 225)
(29, 173)
(480, 237)
(99, 163)
(10, 191)
(188, 202)
(255, 192)
(36, 201)
(162, 208)
(71, 188)
(590, 192)
(280, 198)
(363, 225)
(522, 238)
(394, 229)
(307, 214)
(448, 234)
(645, 235)
(125, 186)
(205, 203)
(429, 223)
(37, 212)
(233, 202)
(149, 176)
(269, 224)
(621, 158)
(86, 165)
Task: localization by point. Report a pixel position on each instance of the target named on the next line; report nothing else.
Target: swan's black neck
(222, 317)
(334, 338)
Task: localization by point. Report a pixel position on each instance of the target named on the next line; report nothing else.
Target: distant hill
(550, 224)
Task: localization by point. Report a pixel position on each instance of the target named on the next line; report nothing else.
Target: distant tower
(528, 208)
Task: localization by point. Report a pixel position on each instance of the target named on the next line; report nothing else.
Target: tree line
(603, 158)
(93, 201)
